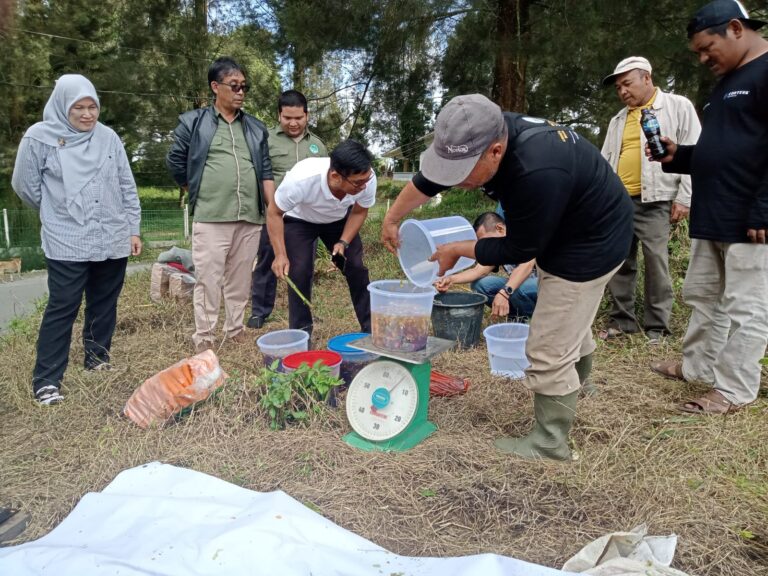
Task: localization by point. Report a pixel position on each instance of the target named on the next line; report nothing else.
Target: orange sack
(173, 389)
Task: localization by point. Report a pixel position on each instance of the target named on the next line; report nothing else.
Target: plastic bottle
(652, 131)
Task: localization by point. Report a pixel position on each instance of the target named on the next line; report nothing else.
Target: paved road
(18, 296)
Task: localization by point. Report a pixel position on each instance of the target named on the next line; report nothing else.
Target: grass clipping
(702, 478)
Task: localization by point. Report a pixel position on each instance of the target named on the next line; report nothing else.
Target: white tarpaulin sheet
(162, 520)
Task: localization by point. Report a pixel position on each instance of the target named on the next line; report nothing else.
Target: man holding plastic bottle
(564, 207)
(659, 199)
(727, 281)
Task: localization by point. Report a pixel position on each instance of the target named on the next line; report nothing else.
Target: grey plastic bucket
(458, 316)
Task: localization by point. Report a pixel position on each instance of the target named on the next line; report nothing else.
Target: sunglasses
(237, 87)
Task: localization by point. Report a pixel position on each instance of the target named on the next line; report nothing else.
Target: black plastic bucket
(458, 316)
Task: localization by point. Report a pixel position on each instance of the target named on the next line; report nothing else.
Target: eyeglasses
(359, 183)
(236, 87)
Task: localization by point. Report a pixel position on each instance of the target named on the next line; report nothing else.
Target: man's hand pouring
(390, 236)
(448, 254)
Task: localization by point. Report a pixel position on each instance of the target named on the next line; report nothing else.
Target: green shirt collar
(238, 114)
(281, 131)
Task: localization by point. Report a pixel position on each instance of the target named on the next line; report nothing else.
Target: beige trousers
(223, 253)
(561, 332)
(727, 287)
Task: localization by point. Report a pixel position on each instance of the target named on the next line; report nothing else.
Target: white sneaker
(48, 395)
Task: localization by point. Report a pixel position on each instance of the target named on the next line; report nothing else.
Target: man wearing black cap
(565, 207)
(727, 281)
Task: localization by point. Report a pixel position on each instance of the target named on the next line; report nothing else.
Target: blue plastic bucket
(352, 360)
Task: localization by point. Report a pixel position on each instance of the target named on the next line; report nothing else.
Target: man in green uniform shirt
(289, 142)
(221, 155)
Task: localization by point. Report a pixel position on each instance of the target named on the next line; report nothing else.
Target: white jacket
(679, 123)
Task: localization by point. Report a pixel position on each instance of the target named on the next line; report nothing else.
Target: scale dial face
(382, 400)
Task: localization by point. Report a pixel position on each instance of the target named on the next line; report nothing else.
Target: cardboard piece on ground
(160, 519)
(181, 286)
(159, 281)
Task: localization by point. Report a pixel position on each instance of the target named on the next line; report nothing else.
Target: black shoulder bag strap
(524, 135)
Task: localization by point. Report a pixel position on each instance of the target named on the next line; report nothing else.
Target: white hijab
(81, 154)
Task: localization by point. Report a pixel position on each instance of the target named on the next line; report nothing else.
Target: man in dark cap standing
(727, 280)
(565, 207)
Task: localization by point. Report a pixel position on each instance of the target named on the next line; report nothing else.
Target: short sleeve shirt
(304, 194)
(285, 152)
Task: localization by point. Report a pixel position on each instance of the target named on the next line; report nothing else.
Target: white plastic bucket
(419, 239)
(506, 349)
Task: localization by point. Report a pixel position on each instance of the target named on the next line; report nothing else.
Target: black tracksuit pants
(300, 237)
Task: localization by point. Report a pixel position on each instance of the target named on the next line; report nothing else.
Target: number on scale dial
(382, 400)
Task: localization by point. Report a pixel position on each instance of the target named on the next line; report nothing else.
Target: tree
(147, 58)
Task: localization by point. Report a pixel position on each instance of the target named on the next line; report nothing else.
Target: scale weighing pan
(434, 347)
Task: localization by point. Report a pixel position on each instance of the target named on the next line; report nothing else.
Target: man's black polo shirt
(563, 204)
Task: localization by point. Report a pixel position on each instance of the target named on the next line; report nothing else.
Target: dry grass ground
(702, 478)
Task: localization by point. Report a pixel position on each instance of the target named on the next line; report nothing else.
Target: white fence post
(186, 221)
(5, 227)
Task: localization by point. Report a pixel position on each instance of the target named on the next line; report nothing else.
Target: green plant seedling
(293, 397)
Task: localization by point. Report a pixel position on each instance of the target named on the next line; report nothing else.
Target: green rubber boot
(549, 437)
(584, 369)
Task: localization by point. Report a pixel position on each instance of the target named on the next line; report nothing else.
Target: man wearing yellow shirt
(659, 199)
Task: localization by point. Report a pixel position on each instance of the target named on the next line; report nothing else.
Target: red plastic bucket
(311, 357)
(330, 359)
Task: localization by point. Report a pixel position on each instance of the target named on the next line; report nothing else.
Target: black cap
(720, 12)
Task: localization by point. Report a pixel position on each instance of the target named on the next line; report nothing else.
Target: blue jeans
(522, 302)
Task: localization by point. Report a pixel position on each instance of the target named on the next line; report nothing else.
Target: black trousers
(300, 237)
(67, 281)
(263, 282)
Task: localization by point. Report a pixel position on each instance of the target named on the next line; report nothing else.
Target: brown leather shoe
(240, 338)
(203, 346)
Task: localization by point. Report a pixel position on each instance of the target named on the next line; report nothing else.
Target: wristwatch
(343, 243)
(508, 290)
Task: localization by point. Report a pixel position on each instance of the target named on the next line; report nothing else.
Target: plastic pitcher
(506, 349)
(419, 239)
(400, 314)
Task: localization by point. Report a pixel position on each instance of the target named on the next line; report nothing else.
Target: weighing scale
(388, 400)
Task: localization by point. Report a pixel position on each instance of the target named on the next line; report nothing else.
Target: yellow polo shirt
(630, 167)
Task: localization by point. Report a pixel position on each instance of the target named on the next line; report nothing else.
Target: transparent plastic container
(400, 315)
(419, 239)
(280, 343)
(506, 349)
(352, 360)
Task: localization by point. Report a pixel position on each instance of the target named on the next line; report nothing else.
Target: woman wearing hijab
(75, 171)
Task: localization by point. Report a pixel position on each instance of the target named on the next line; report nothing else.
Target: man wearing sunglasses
(326, 199)
(220, 155)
